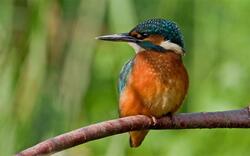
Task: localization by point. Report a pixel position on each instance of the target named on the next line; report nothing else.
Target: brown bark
(226, 119)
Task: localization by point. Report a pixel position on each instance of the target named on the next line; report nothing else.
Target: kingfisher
(155, 81)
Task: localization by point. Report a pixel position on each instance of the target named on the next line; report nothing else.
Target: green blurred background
(55, 77)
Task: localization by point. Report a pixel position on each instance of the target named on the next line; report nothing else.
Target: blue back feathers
(124, 75)
(168, 29)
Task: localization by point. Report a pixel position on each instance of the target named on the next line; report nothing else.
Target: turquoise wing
(124, 74)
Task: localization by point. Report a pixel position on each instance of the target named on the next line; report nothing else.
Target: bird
(154, 82)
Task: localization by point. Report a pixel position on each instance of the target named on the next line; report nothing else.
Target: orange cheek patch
(156, 39)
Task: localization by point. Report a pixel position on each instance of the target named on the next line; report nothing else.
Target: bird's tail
(136, 137)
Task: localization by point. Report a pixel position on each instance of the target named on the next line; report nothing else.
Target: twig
(227, 119)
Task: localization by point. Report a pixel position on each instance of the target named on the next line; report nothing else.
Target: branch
(226, 119)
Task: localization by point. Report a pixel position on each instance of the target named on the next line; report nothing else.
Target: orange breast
(157, 85)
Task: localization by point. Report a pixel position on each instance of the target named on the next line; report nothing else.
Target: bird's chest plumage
(158, 81)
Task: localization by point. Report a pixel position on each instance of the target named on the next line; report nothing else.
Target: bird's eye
(140, 36)
(144, 35)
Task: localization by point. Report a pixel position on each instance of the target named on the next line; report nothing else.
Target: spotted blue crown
(166, 28)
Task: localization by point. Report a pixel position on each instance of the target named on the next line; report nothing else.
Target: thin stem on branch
(226, 119)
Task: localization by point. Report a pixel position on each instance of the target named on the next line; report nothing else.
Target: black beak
(124, 37)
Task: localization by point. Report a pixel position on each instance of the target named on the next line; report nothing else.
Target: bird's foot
(154, 120)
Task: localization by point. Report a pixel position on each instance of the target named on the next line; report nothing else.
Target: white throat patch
(136, 47)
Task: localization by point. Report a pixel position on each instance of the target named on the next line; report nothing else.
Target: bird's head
(153, 34)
